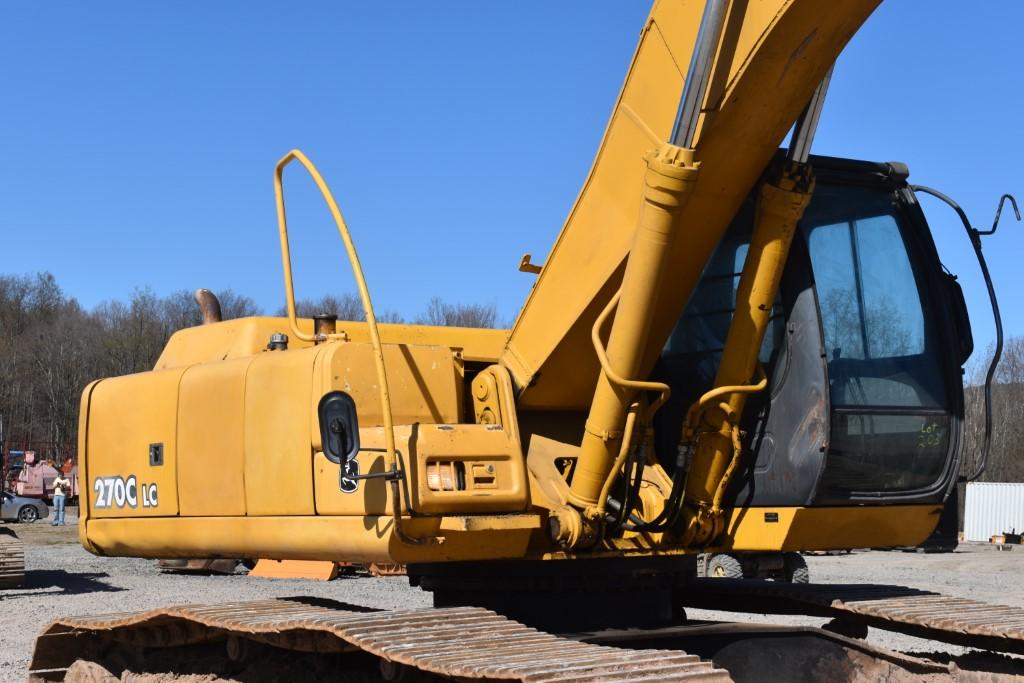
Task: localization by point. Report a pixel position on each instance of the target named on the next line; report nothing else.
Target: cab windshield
(889, 410)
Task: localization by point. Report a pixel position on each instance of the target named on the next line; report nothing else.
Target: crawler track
(915, 612)
(467, 643)
(12, 559)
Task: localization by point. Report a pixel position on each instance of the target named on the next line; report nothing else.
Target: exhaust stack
(209, 305)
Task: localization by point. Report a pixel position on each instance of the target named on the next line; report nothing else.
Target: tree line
(1006, 459)
(51, 347)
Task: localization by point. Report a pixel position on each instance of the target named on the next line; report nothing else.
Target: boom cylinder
(668, 182)
(713, 421)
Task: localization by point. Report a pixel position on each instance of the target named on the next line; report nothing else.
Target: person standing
(61, 487)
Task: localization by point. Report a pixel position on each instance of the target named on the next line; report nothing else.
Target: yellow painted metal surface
(425, 381)
(493, 470)
(436, 458)
(371, 496)
(84, 462)
(140, 412)
(313, 570)
(600, 225)
(491, 522)
(211, 431)
(353, 539)
(776, 54)
(369, 539)
(382, 384)
(827, 528)
(246, 337)
(278, 456)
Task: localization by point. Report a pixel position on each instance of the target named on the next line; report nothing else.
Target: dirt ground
(63, 579)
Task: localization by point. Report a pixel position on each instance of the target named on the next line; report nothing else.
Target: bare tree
(180, 309)
(1006, 457)
(51, 348)
(346, 307)
(458, 315)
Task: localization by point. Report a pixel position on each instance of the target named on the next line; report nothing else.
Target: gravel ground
(976, 571)
(63, 579)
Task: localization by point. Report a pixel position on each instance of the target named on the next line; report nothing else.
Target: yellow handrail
(390, 459)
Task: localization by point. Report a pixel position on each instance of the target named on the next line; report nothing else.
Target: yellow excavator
(731, 350)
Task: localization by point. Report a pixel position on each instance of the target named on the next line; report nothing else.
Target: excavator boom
(772, 57)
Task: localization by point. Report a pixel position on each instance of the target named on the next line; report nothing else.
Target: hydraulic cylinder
(668, 182)
(714, 421)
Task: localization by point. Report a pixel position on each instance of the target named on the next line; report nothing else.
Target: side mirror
(961, 318)
(339, 426)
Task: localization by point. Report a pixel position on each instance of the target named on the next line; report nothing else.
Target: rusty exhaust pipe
(209, 305)
(324, 324)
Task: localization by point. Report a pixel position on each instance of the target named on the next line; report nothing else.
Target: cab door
(893, 378)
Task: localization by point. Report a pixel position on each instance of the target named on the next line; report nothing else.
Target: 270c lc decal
(120, 492)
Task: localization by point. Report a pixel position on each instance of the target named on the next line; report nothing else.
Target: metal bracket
(999, 211)
(526, 267)
(390, 475)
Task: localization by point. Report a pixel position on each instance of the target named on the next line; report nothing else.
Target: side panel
(425, 385)
(278, 451)
(771, 529)
(211, 433)
(425, 382)
(370, 496)
(355, 539)
(127, 416)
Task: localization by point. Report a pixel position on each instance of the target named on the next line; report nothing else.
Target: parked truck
(36, 477)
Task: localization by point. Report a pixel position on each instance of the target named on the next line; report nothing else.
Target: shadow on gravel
(69, 583)
(314, 601)
(975, 660)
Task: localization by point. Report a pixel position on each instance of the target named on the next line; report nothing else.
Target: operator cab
(863, 352)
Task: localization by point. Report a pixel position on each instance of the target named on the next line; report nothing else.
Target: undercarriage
(326, 640)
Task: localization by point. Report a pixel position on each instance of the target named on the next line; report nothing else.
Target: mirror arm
(999, 211)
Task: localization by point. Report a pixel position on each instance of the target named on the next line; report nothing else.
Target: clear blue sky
(139, 138)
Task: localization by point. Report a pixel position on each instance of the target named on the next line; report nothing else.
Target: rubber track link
(911, 611)
(12, 559)
(468, 643)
